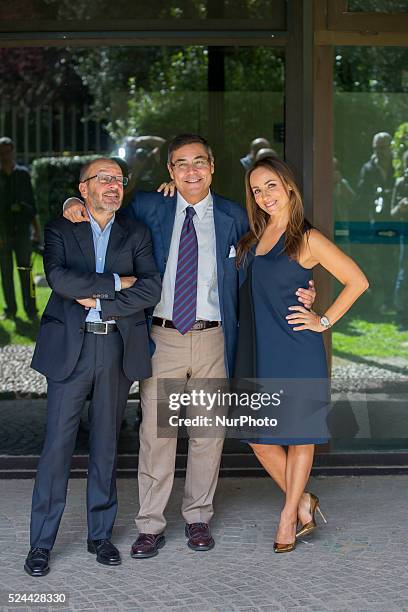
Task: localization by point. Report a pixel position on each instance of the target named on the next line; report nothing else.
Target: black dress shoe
(106, 553)
(37, 561)
(199, 536)
(147, 545)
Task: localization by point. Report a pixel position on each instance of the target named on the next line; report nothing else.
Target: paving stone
(356, 563)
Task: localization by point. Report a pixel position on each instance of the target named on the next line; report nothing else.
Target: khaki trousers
(197, 354)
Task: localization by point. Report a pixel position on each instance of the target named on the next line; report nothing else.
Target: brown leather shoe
(199, 536)
(147, 545)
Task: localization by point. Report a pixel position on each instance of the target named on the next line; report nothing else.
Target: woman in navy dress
(282, 249)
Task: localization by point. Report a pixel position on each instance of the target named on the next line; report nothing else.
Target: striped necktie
(185, 289)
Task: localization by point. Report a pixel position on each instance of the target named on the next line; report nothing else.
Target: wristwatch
(325, 322)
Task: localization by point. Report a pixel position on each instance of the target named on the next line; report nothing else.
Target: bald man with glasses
(102, 277)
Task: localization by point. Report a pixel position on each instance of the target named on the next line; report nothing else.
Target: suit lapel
(83, 235)
(223, 224)
(166, 213)
(117, 237)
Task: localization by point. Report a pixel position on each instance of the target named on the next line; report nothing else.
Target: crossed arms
(87, 287)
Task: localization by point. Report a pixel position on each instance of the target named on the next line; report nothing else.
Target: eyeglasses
(197, 164)
(107, 179)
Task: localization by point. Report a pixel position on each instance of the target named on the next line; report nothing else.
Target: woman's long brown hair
(258, 218)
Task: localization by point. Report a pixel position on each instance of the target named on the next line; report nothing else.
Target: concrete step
(234, 464)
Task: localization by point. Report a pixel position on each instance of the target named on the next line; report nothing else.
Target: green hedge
(54, 180)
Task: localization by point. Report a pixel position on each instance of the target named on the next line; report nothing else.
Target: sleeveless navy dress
(299, 357)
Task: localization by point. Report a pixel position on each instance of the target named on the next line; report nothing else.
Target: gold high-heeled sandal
(311, 525)
(284, 548)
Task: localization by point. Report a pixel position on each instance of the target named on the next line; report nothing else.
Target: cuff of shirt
(118, 284)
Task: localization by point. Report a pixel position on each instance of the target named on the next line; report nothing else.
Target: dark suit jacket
(69, 263)
(230, 221)
(17, 204)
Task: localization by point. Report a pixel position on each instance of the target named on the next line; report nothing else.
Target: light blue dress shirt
(101, 240)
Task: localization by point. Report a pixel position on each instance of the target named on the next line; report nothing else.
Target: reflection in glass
(129, 101)
(370, 222)
(62, 106)
(378, 6)
(103, 10)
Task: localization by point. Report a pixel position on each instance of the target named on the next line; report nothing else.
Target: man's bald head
(87, 169)
(101, 185)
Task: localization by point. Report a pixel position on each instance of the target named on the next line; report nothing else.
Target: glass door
(60, 106)
(370, 186)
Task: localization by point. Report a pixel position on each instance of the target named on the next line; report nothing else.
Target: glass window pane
(371, 224)
(60, 106)
(378, 6)
(102, 10)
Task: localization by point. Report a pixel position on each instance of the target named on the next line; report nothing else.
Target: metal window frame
(44, 26)
(144, 38)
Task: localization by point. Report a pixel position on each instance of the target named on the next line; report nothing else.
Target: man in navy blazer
(195, 235)
(93, 341)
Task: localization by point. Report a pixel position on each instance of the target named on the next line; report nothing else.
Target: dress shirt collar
(95, 225)
(200, 208)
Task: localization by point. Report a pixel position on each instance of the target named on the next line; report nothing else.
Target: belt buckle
(102, 333)
(199, 325)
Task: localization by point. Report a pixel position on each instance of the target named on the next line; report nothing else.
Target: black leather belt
(101, 328)
(198, 325)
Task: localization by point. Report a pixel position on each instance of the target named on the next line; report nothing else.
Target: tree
(399, 146)
(39, 76)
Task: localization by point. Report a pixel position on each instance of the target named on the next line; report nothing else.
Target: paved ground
(358, 562)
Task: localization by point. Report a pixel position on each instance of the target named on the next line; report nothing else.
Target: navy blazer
(230, 221)
(69, 264)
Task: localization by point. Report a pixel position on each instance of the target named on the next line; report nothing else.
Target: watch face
(325, 321)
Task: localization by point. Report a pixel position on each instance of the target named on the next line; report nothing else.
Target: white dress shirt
(208, 305)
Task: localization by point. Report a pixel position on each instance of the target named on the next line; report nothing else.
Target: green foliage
(23, 331)
(370, 96)
(254, 69)
(370, 69)
(364, 339)
(399, 146)
(38, 76)
(175, 98)
(358, 116)
(106, 72)
(172, 97)
(54, 180)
